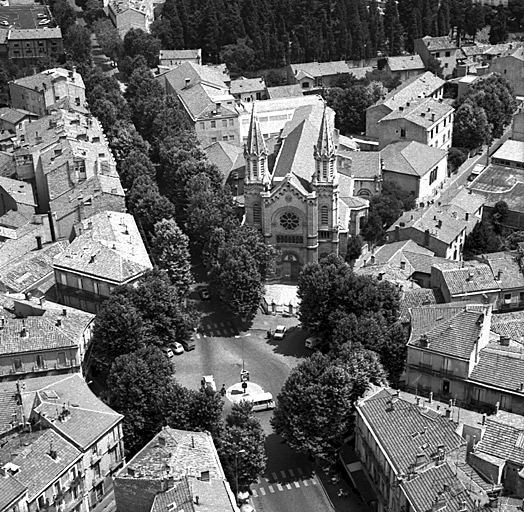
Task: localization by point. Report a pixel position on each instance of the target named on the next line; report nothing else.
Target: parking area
(25, 16)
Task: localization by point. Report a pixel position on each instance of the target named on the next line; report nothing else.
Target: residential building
(284, 91)
(39, 93)
(417, 168)
(414, 455)
(517, 126)
(230, 161)
(171, 58)
(67, 159)
(511, 66)
(313, 76)
(475, 283)
(466, 201)
(411, 97)
(108, 251)
(41, 338)
(249, 89)
(176, 469)
(441, 231)
(13, 119)
(510, 154)
(417, 297)
(296, 195)
(403, 66)
(27, 46)
(13, 495)
(131, 14)
(17, 196)
(206, 100)
(364, 167)
(442, 48)
(67, 406)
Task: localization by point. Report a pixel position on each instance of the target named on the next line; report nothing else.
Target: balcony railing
(78, 480)
(97, 480)
(112, 443)
(95, 457)
(73, 504)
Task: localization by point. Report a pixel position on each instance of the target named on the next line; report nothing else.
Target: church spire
(255, 145)
(325, 146)
(324, 153)
(255, 154)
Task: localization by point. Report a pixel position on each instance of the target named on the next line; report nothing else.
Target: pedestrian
(223, 390)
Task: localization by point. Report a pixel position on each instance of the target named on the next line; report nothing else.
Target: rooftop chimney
(38, 242)
(402, 265)
(52, 451)
(187, 81)
(499, 274)
(430, 397)
(64, 312)
(161, 440)
(397, 233)
(497, 407)
(439, 224)
(504, 341)
(23, 333)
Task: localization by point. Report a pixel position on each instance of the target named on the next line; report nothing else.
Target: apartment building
(107, 251)
(176, 469)
(403, 67)
(41, 337)
(249, 89)
(39, 93)
(442, 48)
(511, 66)
(131, 14)
(26, 46)
(168, 59)
(13, 119)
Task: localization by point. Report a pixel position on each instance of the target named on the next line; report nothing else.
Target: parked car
(204, 293)
(44, 22)
(178, 348)
(208, 381)
(280, 332)
(189, 345)
(313, 343)
(4, 22)
(168, 352)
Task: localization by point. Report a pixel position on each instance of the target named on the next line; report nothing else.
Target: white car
(41, 15)
(3, 22)
(44, 22)
(208, 382)
(280, 332)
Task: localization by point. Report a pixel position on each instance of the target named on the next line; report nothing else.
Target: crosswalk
(216, 330)
(281, 482)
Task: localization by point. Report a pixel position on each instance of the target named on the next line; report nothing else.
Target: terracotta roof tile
(10, 490)
(461, 281)
(509, 324)
(405, 63)
(411, 158)
(503, 441)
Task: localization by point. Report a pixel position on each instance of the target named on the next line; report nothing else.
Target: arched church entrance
(290, 266)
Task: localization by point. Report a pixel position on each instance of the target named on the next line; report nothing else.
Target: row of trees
(358, 316)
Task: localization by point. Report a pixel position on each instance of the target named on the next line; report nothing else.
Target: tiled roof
(10, 490)
(110, 248)
(247, 85)
(20, 191)
(349, 145)
(388, 272)
(320, 69)
(180, 54)
(500, 367)
(196, 74)
(420, 86)
(511, 150)
(225, 156)
(428, 218)
(503, 441)
(200, 101)
(183, 452)
(506, 265)
(14, 115)
(48, 77)
(89, 417)
(177, 499)
(365, 164)
(405, 63)
(453, 333)
(35, 33)
(439, 43)
(467, 200)
(438, 484)
(509, 324)
(421, 262)
(404, 430)
(285, 104)
(8, 408)
(31, 453)
(423, 112)
(285, 91)
(217, 496)
(416, 297)
(411, 158)
(385, 253)
(473, 279)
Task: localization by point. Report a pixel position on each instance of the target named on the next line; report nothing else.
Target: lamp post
(244, 336)
(236, 470)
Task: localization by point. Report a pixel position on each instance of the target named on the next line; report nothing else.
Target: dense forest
(272, 33)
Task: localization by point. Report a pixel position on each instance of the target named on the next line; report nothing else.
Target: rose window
(289, 221)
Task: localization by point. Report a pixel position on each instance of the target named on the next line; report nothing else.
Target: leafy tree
(354, 249)
(77, 44)
(170, 248)
(93, 11)
(238, 57)
(108, 38)
(136, 386)
(350, 106)
(456, 157)
(475, 19)
(471, 128)
(189, 409)
(315, 406)
(435, 66)
(393, 29)
(242, 451)
(237, 277)
(133, 166)
(137, 42)
(499, 217)
(513, 240)
(481, 240)
(64, 14)
(499, 26)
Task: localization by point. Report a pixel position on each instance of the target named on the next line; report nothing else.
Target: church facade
(295, 194)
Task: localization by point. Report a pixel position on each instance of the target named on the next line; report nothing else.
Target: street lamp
(244, 336)
(236, 470)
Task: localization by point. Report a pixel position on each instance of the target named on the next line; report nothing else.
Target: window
(437, 55)
(17, 363)
(202, 126)
(325, 169)
(445, 387)
(99, 490)
(94, 450)
(256, 213)
(63, 279)
(403, 133)
(96, 288)
(289, 221)
(213, 139)
(80, 283)
(433, 175)
(448, 54)
(231, 122)
(521, 297)
(96, 469)
(362, 222)
(57, 487)
(324, 215)
(446, 65)
(41, 501)
(224, 138)
(505, 71)
(231, 137)
(290, 239)
(224, 123)
(324, 235)
(305, 85)
(213, 124)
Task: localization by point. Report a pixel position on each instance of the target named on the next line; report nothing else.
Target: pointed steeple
(255, 145)
(325, 146)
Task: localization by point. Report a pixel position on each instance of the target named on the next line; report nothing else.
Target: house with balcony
(66, 406)
(40, 337)
(39, 93)
(442, 48)
(441, 231)
(108, 251)
(177, 469)
(413, 454)
(417, 168)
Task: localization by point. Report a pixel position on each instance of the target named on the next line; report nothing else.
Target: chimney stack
(38, 242)
(397, 233)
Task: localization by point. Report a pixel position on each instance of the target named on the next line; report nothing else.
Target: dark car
(204, 293)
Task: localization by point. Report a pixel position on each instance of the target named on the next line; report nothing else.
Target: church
(299, 190)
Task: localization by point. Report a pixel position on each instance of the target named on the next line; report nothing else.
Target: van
(189, 344)
(261, 402)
